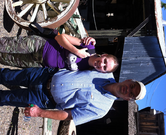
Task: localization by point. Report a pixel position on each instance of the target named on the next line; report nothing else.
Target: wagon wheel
(48, 13)
(67, 127)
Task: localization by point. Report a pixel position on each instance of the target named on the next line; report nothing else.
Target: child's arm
(68, 43)
(72, 40)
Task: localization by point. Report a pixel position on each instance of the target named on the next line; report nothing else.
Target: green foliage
(163, 5)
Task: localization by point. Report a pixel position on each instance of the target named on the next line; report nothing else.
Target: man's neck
(111, 88)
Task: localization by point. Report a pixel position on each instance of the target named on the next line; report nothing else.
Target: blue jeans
(35, 79)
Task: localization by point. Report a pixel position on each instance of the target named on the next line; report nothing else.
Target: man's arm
(52, 114)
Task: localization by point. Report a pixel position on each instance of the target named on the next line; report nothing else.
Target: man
(81, 95)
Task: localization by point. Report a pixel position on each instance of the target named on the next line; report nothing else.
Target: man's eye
(132, 86)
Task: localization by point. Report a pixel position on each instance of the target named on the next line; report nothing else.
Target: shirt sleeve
(81, 115)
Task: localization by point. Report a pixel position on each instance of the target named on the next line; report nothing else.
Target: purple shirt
(55, 55)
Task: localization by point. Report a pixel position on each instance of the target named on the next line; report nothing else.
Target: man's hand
(87, 40)
(52, 114)
(32, 111)
(82, 53)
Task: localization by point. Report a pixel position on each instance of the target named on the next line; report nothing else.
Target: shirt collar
(107, 93)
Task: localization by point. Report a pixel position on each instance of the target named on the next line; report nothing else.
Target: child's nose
(102, 64)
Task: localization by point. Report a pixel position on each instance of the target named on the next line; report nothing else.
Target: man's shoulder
(86, 73)
(98, 74)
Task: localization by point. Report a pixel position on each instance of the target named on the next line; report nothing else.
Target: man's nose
(129, 91)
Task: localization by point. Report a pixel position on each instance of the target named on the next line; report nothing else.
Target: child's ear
(104, 54)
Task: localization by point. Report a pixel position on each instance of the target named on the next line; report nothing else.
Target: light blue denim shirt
(82, 91)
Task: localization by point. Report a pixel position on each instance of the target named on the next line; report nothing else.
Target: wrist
(77, 52)
(40, 112)
(80, 41)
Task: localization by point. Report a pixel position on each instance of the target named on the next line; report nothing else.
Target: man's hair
(116, 63)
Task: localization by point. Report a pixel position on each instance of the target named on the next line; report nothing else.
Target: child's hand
(82, 53)
(87, 40)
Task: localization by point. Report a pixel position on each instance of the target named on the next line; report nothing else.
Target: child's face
(104, 64)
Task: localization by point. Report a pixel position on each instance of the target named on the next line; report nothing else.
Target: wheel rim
(48, 13)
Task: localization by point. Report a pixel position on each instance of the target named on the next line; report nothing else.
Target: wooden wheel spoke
(53, 7)
(23, 12)
(21, 2)
(44, 11)
(18, 3)
(35, 12)
(64, 1)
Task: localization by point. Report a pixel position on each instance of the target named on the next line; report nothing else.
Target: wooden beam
(140, 26)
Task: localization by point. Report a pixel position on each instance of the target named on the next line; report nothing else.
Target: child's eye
(105, 67)
(105, 61)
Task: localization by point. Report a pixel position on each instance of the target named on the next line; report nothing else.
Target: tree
(163, 5)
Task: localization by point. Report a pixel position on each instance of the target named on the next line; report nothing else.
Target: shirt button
(53, 85)
(61, 84)
(81, 84)
(72, 84)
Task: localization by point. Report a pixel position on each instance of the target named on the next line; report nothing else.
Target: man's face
(104, 63)
(128, 89)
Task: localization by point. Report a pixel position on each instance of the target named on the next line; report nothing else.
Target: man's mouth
(123, 90)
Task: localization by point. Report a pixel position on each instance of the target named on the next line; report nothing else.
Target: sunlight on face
(104, 64)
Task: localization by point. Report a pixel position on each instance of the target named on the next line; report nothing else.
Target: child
(61, 52)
